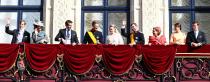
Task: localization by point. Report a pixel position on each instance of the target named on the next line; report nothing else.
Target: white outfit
(20, 36)
(115, 38)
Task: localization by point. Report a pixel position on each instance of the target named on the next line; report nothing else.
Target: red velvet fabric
(118, 59)
(41, 57)
(8, 56)
(183, 51)
(79, 59)
(158, 59)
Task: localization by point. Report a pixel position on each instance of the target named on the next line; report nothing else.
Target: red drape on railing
(183, 50)
(79, 59)
(158, 59)
(8, 56)
(118, 59)
(41, 57)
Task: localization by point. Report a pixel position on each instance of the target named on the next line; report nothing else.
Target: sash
(92, 37)
(132, 38)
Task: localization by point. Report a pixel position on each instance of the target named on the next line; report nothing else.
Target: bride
(114, 36)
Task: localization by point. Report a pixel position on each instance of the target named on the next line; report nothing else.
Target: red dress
(160, 40)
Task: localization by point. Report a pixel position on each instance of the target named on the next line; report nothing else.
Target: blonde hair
(115, 29)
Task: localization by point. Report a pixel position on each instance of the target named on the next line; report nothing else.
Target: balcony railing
(104, 63)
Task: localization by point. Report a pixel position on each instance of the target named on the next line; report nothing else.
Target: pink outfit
(160, 40)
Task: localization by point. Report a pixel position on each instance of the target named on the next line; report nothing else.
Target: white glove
(35, 32)
(63, 40)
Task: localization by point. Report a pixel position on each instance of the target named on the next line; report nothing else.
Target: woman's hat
(38, 23)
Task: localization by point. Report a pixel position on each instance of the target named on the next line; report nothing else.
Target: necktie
(68, 39)
(68, 34)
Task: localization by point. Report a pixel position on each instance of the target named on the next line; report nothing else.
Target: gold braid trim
(60, 60)
(98, 58)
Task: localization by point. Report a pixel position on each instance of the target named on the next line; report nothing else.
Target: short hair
(178, 25)
(158, 29)
(196, 22)
(133, 24)
(94, 22)
(22, 21)
(68, 21)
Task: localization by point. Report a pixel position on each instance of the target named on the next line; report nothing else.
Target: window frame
(192, 9)
(105, 9)
(20, 9)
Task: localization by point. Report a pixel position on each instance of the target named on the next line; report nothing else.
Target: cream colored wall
(146, 13)
(155, 13)
(135, 12)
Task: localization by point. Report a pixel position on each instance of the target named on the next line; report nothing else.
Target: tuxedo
(138, 36)
(97, 34)
(191, 37)
(63, 34)
(15, 33)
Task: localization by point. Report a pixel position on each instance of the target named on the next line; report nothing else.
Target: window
(187, 11)
(106, 12)
(15, 10)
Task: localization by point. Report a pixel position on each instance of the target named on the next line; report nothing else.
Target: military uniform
(138, 37)
(98, 36)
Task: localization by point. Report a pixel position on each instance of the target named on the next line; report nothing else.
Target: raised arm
(11, 32)
(123, 31)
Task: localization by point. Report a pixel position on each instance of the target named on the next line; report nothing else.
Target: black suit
(201, 38)
(138, 37)
(62, 34)
(98, 35)
(14, 33)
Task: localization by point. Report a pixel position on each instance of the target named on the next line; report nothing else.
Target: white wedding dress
(114, 39)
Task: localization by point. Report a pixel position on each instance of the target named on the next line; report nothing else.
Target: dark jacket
(201, 38)
(62, 34)
(98, 35)
(138, 37)
(14, 33)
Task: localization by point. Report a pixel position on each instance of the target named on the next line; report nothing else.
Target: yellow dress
(178, 38)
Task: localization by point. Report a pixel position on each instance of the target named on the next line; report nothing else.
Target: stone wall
(60, 11)
(155, 13)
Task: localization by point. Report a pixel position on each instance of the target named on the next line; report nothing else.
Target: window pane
(183, 19)
(6, 38)
(116, 19)
(180, 2)
(204, 20)
(9, 2)
(89, 17)
(30, 17)
(117, 2)
(93, 2)
(31, 2)
(202, 2)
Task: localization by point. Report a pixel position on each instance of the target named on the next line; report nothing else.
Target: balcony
(104, 63)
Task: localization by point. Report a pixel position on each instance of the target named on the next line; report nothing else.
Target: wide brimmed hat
(38, 23)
